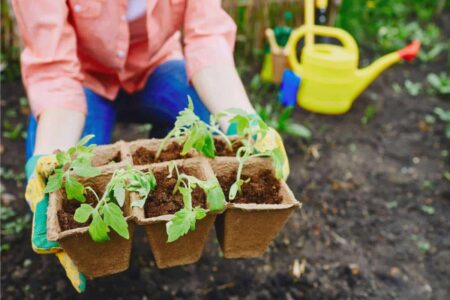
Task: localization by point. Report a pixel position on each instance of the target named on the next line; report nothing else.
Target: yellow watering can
(331, 80)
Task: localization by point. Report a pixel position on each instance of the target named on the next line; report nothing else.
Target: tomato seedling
(185, 219)
(251, 129)
(107, 213)
(191, 132)
(78, 160)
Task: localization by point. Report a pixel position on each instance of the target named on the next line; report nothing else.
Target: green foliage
(250, 129)
(440, 83)
(413, 88)
(369, 113)
(78, 160)
(9, 174)
(279, 118)
(185, 219)
(107, 213)
(193, 133)
(13, 132)
(444, 116)
(421, 243)
(390, 24)
(428, 209)
(12, 224)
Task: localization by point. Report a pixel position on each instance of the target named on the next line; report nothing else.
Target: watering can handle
(348, 42)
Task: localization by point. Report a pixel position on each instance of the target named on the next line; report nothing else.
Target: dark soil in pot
(162, 201)
(222, 148)
(67, 211)
(262, 188)
(143, 156)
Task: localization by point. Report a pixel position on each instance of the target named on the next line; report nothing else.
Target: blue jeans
(158, 103)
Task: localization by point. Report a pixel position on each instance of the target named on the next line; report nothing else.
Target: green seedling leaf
(186, 218)
(113, 217)
(98, 230)
(214, 194)
(64, 157)
(209, 149)
(74, 189)
(179, 225)
(119, 194)
(85, 140)
(192, 133)
(55, 181)
(183, 221)
(83, 213)
(235, 187)
(298, 130)
(84, 169)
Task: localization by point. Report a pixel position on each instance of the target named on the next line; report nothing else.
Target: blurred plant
(369, 113)
(413, 88)
(390, 24)
(10, 51)
(439, 83)
(428, 209)
(11, 224)
(421, 243)
(444, 116)
(279, 117)
(9, 174)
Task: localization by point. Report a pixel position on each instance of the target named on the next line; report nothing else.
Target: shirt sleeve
(49, 63)
(209, 35)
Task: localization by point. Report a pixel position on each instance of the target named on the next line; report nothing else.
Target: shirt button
(120, 54)
(77, 8)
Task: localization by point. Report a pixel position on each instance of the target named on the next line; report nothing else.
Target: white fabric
(136, 9)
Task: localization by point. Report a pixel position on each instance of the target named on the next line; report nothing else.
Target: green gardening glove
(38, 169)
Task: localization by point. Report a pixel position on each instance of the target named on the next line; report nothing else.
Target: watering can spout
(366, 75)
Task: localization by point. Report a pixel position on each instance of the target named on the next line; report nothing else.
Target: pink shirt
(75, 43)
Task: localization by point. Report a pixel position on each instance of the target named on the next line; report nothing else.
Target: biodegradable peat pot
(92, 258)
(142, 152)
(246, 230)
(189, 248)
(114, 155)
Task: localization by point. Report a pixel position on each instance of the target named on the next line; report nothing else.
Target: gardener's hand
(38, 169)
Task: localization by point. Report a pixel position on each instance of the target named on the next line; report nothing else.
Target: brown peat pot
(112, 156)
(92, 258)
(246, 230)
(189, 248)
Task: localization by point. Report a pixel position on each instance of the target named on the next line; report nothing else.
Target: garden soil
(143, 156)
(163, 201)
(362, 233)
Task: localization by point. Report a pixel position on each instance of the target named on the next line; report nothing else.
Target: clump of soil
(223, 150)
(263, 188)
(66, 213)
(143, 156)
(162, 201)
(115, 159)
